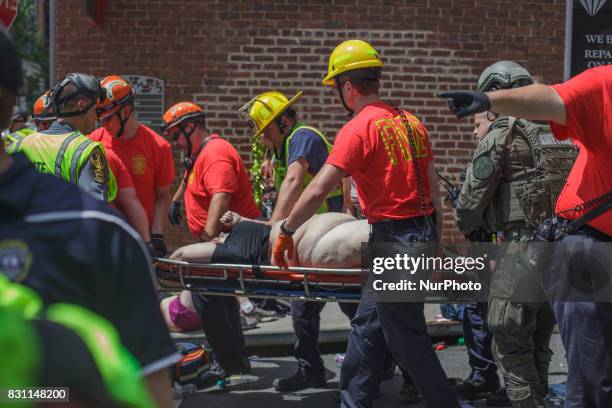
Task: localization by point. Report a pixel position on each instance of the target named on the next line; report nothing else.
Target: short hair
(366, 80)
(71, 105)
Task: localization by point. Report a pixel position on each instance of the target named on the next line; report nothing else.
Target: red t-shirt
(588, 104)
(147, 156)
(373, 148)
(121, 173)
(217, 169)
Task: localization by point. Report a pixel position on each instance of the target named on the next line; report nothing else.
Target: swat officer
(500, 193)
(63, 150)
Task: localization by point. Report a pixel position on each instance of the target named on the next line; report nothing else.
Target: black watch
(285, 230)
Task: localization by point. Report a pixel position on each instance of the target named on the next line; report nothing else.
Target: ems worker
(65, 345)
(398, 191)
(216, 181)
(43, 113)
(579, 108)
(299, 152)
(17, 127)
(70, 248)
(63, 150)
(147, 156)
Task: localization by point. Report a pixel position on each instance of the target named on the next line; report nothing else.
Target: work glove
(464, 103)
(174, 213)
(282, 246)
(159, 246)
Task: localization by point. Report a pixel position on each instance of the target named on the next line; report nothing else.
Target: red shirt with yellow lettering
(587, 98)
(217, 169)
(373, 148)
(148, 158)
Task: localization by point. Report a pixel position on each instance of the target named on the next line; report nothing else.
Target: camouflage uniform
(501, 165)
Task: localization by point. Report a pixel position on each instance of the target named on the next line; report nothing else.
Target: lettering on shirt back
(396, 140)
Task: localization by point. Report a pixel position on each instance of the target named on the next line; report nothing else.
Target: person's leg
(545, 323)
(365, 354)
(478, 343)
(514, 326)
(306, 317)
(218, 315)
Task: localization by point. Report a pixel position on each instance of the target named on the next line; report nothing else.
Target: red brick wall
(220, 54)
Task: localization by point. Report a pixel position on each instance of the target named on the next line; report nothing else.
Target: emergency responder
(483, 380)
(147, 156)
(63, 150)
(216, 181)
(65, 345)
(504, 164)
(17, 128)
(71, 248)
(43, 113)
(299, 152)
(399, 193)
(580, 108)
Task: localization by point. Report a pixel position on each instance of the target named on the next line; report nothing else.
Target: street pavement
(255, 390)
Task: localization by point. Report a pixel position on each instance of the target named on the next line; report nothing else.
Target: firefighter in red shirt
(397, 187)
(216, 181)
(580, 108)
(147, 156)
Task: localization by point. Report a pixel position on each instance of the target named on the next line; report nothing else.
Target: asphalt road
(255, 390)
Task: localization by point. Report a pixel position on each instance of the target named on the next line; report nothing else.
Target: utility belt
(555, 228)
(388, 226)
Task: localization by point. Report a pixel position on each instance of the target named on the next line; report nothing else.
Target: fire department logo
(592, 7)
(139, 164)
(15, 259)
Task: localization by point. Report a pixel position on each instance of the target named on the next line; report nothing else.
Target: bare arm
(326, 180)
(535, 102)
(436, 199)
(290, 190)
(128, 203)
(162, 202)
(178, 195)
(159, 386)
(219, 204)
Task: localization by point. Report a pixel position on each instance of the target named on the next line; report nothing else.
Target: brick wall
(220, 53)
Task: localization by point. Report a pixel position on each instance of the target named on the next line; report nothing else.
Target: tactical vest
(11, 138)
(117, 367)
(530, 195)
(281, 165)
(61, 155)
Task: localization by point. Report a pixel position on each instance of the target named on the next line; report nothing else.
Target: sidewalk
(335, 327)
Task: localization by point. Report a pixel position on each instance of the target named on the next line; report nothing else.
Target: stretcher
(260, 280)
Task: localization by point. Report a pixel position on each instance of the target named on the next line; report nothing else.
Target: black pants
(478, 339)
(398, 325)
(306, 317)
(220, 316)
(585, 326)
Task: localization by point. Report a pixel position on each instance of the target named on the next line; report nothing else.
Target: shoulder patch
(482, 147)
(15, 259)
(483, 168)
(98, 166)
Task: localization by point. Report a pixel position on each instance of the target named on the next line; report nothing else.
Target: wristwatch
(285, 230)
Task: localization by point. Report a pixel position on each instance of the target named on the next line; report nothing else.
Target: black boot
(471, 390)
(299, 381)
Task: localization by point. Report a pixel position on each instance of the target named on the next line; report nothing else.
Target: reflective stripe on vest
(281, 168)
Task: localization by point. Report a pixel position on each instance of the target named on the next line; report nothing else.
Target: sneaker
(248, 323)
(499, 398)
(409, 394)
(299, 382)
(261, 315)
(472, 390)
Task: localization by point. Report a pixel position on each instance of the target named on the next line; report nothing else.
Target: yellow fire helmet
(265, 108)
(350, 55)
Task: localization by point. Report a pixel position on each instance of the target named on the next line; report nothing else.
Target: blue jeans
(398, 325)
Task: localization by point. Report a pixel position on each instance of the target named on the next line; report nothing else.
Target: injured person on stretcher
(329, 240)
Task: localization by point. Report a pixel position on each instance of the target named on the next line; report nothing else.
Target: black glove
(151, 248)
(464, 103)
(159, 246)
(174, 213)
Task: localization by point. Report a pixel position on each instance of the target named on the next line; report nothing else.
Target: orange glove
(282, 246)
